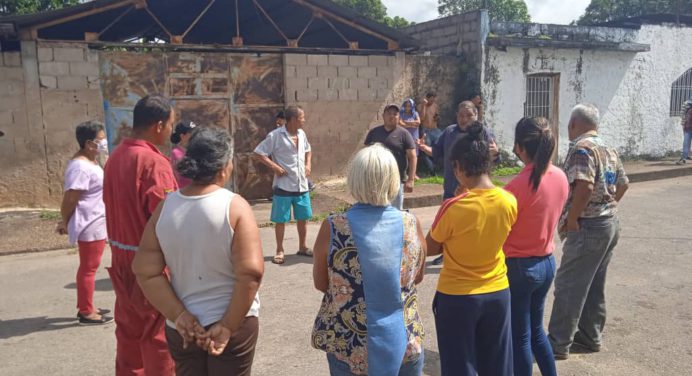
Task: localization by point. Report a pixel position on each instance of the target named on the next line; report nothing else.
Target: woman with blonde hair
(367, 263)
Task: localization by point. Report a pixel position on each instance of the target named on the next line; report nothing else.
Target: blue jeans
(339, 368)
(686, 143)
(474, 334)
(580, 283)
(529, 281)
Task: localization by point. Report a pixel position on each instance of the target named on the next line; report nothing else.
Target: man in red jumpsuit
(137, 177)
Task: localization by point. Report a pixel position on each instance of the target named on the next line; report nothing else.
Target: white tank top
(196, 236)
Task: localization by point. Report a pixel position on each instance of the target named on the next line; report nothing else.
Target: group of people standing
(187, 259)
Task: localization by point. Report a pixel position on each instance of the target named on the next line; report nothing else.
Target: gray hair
(373, 176)
(586, 113)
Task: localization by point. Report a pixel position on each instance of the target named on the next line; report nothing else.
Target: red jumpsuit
(137, 178)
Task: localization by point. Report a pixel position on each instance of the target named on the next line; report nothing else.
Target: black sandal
(100, 311)
(87, 321)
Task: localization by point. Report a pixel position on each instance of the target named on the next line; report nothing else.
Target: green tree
(10, 7)
(375, 10)
(609, 10)
(498, 10)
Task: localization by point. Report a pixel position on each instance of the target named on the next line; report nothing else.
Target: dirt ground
(27, 231)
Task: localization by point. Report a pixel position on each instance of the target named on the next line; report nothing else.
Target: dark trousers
(236, 359)
(529, 281)
(474, 334)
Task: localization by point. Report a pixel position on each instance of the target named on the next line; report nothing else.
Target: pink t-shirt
(88, 222)
(177, 155)
(538, 212)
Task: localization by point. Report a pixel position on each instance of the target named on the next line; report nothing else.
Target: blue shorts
(281, 208)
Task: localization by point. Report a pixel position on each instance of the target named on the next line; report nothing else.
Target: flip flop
(305, 252)
(278, 259)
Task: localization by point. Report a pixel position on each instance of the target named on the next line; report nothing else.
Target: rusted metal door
(239, 92)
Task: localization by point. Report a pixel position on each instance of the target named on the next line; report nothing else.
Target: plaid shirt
(686, 115)
(589, 159)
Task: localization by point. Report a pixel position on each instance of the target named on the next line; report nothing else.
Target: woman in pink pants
(84, 216)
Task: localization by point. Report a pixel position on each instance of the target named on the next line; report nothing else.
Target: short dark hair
(281, 115)
(292, 112)
(151, 110)
(87, 131)
(184, 127)
(430, 94)
(472, 153)
(208, 152)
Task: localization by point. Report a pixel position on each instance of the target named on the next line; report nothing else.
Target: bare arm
(320, 275)
(580, 199)
(433, 248)
(421, 267)
(69, 203)
(412, 162)
(620, 191)
(308, 163)
(425, 148)
(278, 170)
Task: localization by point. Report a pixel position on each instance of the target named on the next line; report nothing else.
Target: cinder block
(367, 94)
(358, 61)
(306, 95)
(367, 72)
(45, 54)
(348, 94)
(11, 103)
(12, 59)
(338, 60)
(386, 73)
(328, 94)
(293, 84)
(338, 83)
(54, 68)
(72, 82)
(348, 72)
(19, 118)
(11, 88)
(93, 82)
(318, 60)
(68, 54)
(377, 61)
(378, 83)
(81, 68)
(290, 71)
(11, 74)
(295, 59)
(318, 83)
(306, 71)
(358, 83)
(5, 117)
(92, 56)
(382, 94)
(325, 71)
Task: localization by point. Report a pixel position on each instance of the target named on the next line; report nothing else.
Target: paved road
(649, 330)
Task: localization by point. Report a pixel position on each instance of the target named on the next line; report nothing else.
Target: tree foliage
(609, 10)
(375, 10)
(11, 7)
(498, 10)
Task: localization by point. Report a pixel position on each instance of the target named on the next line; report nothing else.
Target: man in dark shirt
(400, 142)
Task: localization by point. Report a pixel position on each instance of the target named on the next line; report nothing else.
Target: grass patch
(430, 180)
(50, 215)
(322, 216)
(506, 171)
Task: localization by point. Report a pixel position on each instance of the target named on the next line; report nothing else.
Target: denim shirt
(442, 151)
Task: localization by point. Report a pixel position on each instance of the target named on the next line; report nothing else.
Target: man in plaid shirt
(686, 123)
(590, 228)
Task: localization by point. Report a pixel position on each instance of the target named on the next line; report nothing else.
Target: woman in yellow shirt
(472, 303)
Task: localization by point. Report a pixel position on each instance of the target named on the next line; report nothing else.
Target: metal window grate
(680, 91)
(539, 96)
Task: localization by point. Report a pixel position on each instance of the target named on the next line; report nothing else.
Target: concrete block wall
(343, 96)
(71, 94)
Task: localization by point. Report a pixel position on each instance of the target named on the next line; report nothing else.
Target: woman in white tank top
(208, 239)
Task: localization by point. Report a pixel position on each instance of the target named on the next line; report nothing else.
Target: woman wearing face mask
(84, 216)
(179, 138)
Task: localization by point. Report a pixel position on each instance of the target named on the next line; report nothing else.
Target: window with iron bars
(680, 91)
(539, 96)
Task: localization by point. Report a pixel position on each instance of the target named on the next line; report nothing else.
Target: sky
(541, 11)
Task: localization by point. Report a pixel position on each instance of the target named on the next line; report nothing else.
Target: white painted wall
(631, 90)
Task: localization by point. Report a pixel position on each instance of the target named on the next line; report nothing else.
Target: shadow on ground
(22, 327)
(103, 284)
(431, 365)
(291, 260)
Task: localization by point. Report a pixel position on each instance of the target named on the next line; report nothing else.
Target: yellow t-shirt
(472, 229)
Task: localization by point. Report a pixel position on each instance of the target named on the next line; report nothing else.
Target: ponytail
(534, 136)
(175, 138)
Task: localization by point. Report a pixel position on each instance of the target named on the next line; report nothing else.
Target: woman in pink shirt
(84, 216)
(179, 138)
(541, 191)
